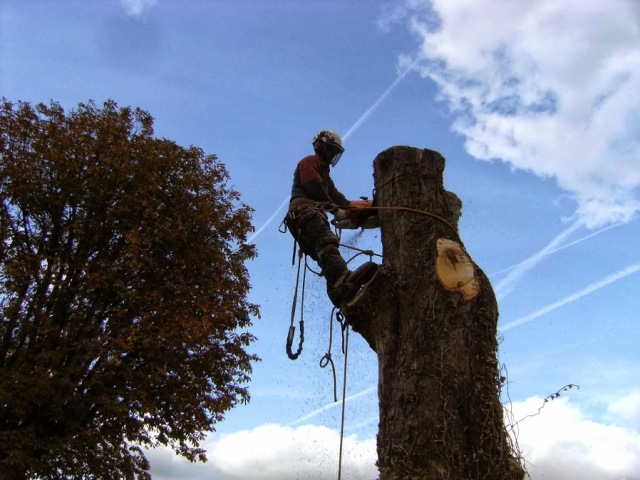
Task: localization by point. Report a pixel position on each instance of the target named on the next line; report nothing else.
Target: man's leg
(318, 233)
(342, 283)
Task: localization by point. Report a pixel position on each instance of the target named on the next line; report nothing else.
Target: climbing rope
(327, 358)
(409, 209)
(360, 251)
(292, 329)
(345, 349)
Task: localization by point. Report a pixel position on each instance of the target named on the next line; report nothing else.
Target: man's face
(332, 154)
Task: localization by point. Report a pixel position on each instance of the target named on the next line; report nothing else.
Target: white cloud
(549, 87)
(274, 452)
(136, 7)
(561, 443)
(627, 409)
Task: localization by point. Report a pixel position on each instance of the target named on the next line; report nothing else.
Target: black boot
(350, 283)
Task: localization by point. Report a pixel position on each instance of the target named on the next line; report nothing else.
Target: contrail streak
(349, 132)
(368, 113)
(566, 245)
(332, 405)
(505, 286)
(589, 289)
(269, 220)
(534, 259)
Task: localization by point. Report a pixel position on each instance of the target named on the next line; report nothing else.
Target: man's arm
(336, 195)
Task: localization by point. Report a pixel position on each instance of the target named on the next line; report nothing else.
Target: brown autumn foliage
(123, 293)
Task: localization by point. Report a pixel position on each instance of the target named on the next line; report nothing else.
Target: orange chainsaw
(358, 214)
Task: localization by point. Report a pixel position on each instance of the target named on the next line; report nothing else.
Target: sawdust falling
(353, 240)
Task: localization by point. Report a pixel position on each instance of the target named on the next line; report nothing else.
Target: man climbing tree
(123, 293)
(312, 194)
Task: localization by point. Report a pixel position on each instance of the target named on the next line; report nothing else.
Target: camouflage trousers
(310, 227)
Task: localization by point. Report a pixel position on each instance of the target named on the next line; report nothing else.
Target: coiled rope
(327, 360)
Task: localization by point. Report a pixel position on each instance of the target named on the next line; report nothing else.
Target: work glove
(339, 215)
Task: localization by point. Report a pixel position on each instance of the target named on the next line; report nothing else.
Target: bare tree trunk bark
(431, 316)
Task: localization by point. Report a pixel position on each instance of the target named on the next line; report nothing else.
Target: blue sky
(534, 104)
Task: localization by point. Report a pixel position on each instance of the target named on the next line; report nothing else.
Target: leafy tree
(123, 293)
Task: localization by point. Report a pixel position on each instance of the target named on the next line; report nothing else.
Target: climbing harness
(295, 221)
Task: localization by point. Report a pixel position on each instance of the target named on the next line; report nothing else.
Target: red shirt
(312, 181)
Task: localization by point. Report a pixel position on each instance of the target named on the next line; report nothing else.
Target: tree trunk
(431, 316)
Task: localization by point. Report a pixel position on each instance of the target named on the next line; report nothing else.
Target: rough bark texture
(440, 413)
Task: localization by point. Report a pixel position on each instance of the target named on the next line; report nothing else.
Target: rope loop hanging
(328, 360)
(292, 329)
(345, 350)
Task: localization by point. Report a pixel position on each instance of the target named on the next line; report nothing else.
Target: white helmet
(328, 144)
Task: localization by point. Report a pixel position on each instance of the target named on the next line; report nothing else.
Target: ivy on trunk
(431, 317)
